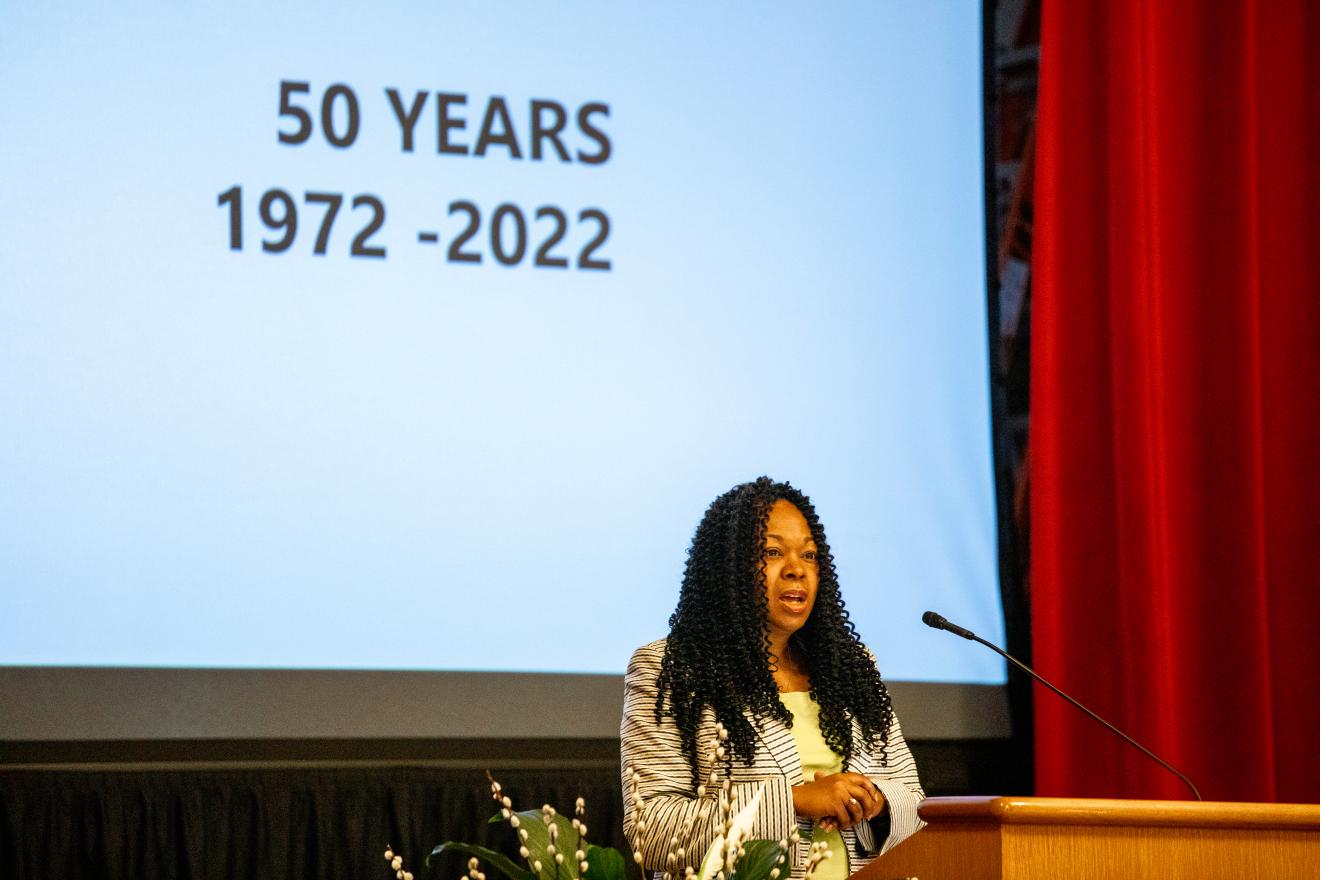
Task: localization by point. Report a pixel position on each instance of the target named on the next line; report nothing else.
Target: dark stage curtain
(1176, 396)
(271, 824)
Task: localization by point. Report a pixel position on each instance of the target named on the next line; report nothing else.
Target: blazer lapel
(778, 741)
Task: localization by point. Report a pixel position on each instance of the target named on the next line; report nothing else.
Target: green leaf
(605, 863)
(759, 858)
(538, 837)
(497, 860)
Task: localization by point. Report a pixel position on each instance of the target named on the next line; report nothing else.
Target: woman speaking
(761, 647)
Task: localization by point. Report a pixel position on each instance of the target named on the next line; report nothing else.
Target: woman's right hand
(838, 800)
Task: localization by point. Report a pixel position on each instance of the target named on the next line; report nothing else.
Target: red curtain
(1175, 460)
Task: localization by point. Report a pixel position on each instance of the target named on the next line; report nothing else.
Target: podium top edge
(1099, 811)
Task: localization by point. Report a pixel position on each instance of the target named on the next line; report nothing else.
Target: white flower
(524, 851)
(584, 866)
(537, 866)
(389, 855)
(738, 828)
(396, 863)
(559, 858)
(514, 821)
(472, 863)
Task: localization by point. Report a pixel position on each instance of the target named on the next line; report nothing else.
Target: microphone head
(931, 619)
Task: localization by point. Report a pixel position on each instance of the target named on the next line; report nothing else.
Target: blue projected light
(419, 336)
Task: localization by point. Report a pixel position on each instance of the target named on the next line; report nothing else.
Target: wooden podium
(1022, 838)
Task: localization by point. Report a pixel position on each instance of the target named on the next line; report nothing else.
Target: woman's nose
(793, 568)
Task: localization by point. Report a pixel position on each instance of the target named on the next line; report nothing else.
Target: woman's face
(791, 575)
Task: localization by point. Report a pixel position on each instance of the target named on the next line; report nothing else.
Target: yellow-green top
(816, 757)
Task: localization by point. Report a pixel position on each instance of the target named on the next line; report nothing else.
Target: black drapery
(272, 824)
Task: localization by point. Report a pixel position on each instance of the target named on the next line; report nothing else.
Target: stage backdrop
(1176, 396)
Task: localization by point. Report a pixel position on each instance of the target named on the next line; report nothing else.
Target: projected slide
(419, 336)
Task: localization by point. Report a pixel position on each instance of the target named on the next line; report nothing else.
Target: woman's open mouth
(794, 599)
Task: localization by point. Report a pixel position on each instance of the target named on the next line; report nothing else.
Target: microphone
(936, 621)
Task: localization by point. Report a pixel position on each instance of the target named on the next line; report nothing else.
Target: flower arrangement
(555, 848)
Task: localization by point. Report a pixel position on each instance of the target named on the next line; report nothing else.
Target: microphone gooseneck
(936, 621)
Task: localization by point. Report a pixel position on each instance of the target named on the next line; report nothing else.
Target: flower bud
(407, 875)
(515, 821)
(637, 857)
(524, 851)
(522, 834)
(549, 849)
(472, 863)
(774, 874)
(396, 863)
(559, 858)
(398, 875)
(584, 866)
(537, 866)
(389, 855)
(505, 813)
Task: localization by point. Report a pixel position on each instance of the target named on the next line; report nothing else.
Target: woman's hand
(838, 800)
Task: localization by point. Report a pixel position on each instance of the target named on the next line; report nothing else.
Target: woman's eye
(810, 556)
(771, 551)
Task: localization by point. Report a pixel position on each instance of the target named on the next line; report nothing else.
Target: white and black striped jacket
(669, 797)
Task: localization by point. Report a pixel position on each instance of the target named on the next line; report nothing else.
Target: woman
(761, 644)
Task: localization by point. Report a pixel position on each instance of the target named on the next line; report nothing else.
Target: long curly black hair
(718, 652)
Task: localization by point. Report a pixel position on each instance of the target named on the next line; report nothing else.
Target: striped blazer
(670, 802)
